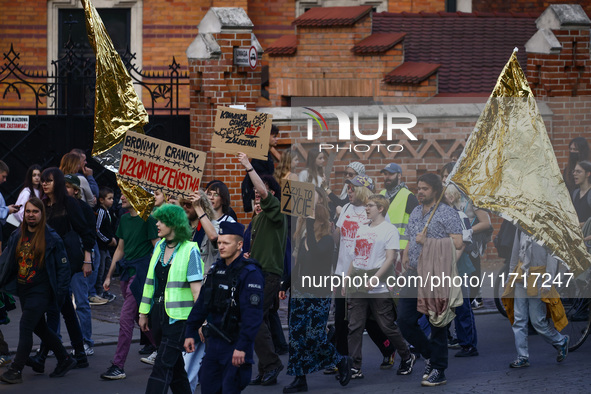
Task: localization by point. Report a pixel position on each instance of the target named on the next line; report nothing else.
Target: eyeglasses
(212, 195)
(47, 181)
(350, 174)
(370, 205)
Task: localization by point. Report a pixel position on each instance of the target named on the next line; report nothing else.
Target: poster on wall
(238, 130)
(159, 165)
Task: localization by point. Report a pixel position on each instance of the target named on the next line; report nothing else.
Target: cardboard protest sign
(159, 165)
(238, 130)
(297, 198)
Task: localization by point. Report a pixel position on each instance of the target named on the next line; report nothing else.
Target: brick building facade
(349, 61)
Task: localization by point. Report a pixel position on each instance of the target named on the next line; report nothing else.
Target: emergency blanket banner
(238, 130)
(297, 198)
(159, 165)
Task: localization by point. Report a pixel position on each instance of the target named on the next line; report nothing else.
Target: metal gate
(60, 105)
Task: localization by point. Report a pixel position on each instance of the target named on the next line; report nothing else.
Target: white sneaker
(151, 359)
(89, 350)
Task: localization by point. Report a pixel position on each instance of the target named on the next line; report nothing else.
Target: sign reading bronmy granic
(238, 130)
(160, 165)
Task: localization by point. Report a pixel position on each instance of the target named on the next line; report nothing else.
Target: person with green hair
(172, 287)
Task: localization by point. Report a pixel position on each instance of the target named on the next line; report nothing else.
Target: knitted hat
(357, 167)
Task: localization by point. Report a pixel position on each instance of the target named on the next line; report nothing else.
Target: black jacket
(56, 264)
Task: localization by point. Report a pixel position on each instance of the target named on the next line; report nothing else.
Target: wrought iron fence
(68, 88)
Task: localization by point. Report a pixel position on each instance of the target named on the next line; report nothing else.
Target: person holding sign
(269, 239)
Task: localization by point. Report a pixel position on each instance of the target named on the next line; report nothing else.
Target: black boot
(81, 359)
(37, 362)
(298, 385)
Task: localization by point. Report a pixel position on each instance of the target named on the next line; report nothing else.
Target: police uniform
(231, 300)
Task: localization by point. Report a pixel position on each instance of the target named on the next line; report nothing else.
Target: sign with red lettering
(159, 165)
(297, 198)
(238, 130)
(14, 123)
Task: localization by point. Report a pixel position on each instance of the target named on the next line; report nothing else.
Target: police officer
(231, 300)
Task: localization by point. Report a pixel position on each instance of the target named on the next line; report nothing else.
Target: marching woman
(309, 348)
(64, 215)
(172, 286)
(31, 188)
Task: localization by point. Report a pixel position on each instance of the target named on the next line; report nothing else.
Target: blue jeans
(79, 286)
(533, 309)
(465, 324)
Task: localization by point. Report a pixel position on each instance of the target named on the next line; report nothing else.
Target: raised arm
(256, 180)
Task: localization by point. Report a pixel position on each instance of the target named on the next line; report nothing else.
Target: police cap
(234, 228)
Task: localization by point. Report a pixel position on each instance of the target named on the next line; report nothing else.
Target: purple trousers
(129, 317)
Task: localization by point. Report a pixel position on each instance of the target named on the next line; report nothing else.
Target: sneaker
(356, 373)
(519, 363)
(5, 360)
(388, 362)
(81, 359)
(63, 367)
(12, 376)
(331, 370)
(453, 344)
(96, 300)
(113, 373)
(476, 304)
(563, 349)
(108, 296)
(405, 367)
(147, 349)
(467, 351)
(436, 378)
(428, 369)
(151, 359)
(88, 350)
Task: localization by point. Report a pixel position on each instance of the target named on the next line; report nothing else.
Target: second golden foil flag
(117, 107)
(508, 167)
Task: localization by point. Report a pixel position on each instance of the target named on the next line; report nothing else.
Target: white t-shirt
(350, 220)
(303, 177)
(371, 245)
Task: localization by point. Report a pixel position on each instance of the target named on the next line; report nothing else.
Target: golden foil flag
(117, 107)
(140, 199)
(508, 167)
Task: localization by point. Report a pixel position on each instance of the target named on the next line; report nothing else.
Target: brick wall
(23, 23)
(416, 6)
(271, 19)
(218, 82)
(324, 66)
(523, 5)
